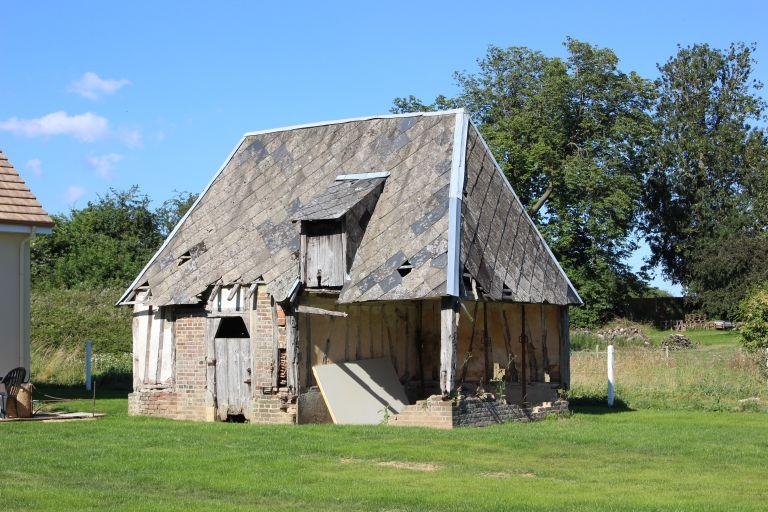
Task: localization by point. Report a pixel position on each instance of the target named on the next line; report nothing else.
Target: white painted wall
(14, 301)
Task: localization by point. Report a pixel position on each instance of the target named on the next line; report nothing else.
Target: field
(716, 376)
(675, 441)
(595, 460)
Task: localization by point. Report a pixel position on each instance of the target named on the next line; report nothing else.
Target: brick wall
(186, 399)
(262, 342)
(435, 412)
(274, 407)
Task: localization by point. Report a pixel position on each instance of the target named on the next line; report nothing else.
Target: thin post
(88, 365)
(523, 359)
(611, 390)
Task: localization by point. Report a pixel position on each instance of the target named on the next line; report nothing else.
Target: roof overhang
(24, 228)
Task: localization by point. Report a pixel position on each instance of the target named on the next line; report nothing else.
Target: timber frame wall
(436, 346)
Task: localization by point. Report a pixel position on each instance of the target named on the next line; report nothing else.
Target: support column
(291, 351)
(565, 348)
(449, 319)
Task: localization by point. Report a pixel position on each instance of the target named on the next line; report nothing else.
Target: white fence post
(88, 365)
(611, 391)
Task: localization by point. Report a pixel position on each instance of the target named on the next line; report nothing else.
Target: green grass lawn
(596, 460)
(704, 337)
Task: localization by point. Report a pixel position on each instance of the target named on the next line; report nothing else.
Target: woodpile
(677, 342)
(628, 333)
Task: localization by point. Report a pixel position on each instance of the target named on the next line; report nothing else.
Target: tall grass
(646, 378)
(66, 318)
(65, 366)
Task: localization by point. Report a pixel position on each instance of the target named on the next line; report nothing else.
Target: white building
(21, 218)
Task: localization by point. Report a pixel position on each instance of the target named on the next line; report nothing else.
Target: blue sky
(98, 95)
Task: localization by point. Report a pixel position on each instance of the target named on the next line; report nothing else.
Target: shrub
(67, 317)
(754, 315)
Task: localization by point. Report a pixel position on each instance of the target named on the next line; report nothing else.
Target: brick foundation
(272, 409)
(435, 412)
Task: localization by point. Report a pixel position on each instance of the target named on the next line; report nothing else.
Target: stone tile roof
(245, 218)
(340, 197)
(18, 204)
(500, 247)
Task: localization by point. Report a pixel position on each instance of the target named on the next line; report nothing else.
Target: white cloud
(74, 192)
(86, 127)
(104, 164)
(35, 167)
(92, 86)
(131, 138)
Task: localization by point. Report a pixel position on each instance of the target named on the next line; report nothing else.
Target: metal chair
(12, 382)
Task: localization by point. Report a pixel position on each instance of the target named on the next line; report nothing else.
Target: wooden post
(449, 312)
(212, 325)
(88, 365)
(611, 388)
(420, 345)
(276, 345)
(565, 348)
(291, 352)
(487, 347)
(523, 360)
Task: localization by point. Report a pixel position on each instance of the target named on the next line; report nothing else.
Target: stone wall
(435, 412)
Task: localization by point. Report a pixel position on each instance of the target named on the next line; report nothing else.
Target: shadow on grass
(43, 391)
(597, 405)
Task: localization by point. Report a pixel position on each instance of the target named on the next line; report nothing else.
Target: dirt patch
(502, 474)
(412, 466)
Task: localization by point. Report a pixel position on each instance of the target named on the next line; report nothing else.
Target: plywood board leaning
(361, 392)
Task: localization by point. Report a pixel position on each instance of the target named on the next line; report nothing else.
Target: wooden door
(233, 376)
(324, 254)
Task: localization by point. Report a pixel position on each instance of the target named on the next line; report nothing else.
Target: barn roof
(340, 197)
(18, 205)
(445, 209)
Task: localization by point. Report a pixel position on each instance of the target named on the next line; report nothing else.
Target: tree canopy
(105, 243)
(570, 134)
(706, 199)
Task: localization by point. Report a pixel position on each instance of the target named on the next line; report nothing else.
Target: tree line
(107, 242)
(604, 159)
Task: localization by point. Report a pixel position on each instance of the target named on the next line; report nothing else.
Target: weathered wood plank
(448, 323)
(311, 310)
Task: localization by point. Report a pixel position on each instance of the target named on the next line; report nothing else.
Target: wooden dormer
(332, 227)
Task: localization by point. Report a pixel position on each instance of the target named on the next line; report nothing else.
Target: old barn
(346, 270)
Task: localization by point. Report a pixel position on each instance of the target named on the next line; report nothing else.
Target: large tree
(107, 242)
(706, 196)
(570, 134)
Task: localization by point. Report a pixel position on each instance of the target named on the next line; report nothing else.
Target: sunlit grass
(596, 460)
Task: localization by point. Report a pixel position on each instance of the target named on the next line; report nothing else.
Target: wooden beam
(214, 292)
(487, 347)
(449, 317)
(275, 347)
(319, 311)
(212, 325)
(523, 361)
(233, 292)
(565, 348)
(291, 349)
